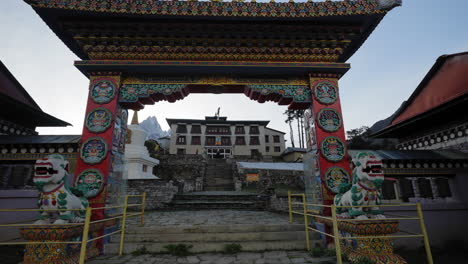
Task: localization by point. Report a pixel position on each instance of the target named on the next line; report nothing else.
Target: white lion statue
(366, 188)
(50, 178)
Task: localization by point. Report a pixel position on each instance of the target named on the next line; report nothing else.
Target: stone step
(213, 237)
(199, 247)
(212, 204)
(223, 197)
(214, 182)
(181, 229)
(221, 188)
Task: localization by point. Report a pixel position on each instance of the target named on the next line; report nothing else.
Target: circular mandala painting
(334, 177)
(326, 92)
(103, 92)
(93, 150)
(329, 119)
(333, 149)
(98, 120)
(90, 182)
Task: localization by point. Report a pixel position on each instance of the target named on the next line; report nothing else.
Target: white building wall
(237, 150)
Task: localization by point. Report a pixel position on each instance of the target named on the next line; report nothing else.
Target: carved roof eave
(206, 9)
(367, 13)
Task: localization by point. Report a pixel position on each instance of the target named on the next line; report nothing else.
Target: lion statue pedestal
(379, 250)
(52, 253)
(360, 201)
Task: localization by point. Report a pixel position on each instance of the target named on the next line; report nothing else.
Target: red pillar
(326, 135)
(99, 170)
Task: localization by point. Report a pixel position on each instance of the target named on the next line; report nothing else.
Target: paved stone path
(269, 257)
(213, 217)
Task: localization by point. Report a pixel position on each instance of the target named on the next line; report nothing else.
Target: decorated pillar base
(57, 253)
(379, 250)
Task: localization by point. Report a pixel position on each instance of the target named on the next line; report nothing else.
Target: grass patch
(232, 248)
(179, 250)
(140, 251)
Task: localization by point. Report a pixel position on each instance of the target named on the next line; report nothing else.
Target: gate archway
(140, 52)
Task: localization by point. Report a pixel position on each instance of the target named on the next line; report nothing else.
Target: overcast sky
(384, 72)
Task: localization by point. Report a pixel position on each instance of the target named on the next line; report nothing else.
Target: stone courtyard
(213, 217)
(269, 257)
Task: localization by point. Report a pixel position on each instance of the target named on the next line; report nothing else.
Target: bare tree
(289, 119)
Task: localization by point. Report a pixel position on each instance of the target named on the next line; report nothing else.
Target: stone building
(218, 137)
(431, 165)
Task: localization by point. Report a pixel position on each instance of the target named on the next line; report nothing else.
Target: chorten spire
(135, 118)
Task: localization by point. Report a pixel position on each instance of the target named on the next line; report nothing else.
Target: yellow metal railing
(334, 219)
(86, 224)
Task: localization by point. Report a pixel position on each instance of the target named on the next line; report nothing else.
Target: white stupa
(139, 163)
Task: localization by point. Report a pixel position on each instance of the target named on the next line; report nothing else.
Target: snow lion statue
(366, 189)
(50, 178)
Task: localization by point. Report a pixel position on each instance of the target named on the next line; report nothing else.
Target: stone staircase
(218, 176)
(206, 238)
(219, 200)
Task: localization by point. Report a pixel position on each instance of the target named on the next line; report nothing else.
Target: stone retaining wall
(158, 192)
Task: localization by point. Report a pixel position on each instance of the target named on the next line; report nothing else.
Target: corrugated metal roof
(417, 154)
(43, 139)
(271, 166)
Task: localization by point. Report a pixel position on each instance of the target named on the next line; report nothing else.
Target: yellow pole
(427, 245)
(336, 235)
(84, 240)
(290, 208)
(306, 221)
(122, 227)
(143, 201)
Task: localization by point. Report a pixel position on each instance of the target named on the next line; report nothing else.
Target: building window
(180, 151)
(240, 140)
(180, 140)
(425, 189)
(388, 190)
(267, 149)
(226, 141)
(16, 176)
(240, 130)
(267, 139)
(181, 129)
(254, 130)
(443, 187)
(254, 140)
(196, 129)
(210, 141)
(277, 149)
(407, 190)
(145, 168)
(276, 139)
(218, 130)
(196, 140)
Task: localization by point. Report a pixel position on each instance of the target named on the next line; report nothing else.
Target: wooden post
(143, 203)
(336, 235)
(306, 221)
(290, 208)
(427, 245)
(122, 228)
(84, 240)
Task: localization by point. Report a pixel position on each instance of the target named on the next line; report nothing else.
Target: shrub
(317, 252)
(178, 250)
(140, 251)
(232, 248)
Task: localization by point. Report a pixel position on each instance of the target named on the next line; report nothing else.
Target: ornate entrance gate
(138, 52)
